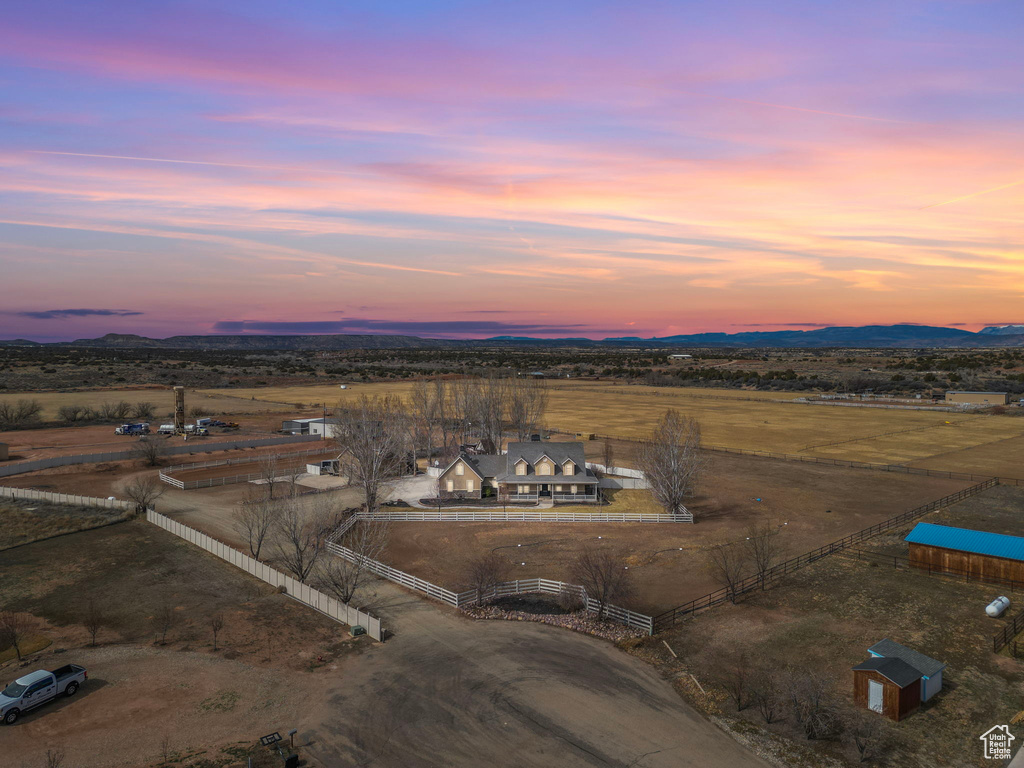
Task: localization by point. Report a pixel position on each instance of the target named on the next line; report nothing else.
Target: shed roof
(896, 670)
(926, 665)
(967, 540)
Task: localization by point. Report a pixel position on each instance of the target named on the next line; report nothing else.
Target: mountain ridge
(867, 336)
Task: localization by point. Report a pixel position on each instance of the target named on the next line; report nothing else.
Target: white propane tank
(997, 606)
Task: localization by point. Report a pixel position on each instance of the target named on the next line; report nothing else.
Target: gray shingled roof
(557, 452)
(926, 665)
(893, 669)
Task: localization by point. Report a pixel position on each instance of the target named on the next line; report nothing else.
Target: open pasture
(752, 420)
(815, 504)
(216, 402)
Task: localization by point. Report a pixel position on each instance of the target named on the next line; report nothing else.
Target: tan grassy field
(756, 421)
(222, 402)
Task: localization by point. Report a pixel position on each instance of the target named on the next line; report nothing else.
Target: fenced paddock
(470, 597)
(65, 498)
(288, 463)
(761, 580)
(304, 593)
(95, 458)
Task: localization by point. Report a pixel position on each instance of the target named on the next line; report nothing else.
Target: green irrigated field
(992, 445)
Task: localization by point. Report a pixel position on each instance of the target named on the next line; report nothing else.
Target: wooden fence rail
(470, 597)
(761, 580)
(1010, 631)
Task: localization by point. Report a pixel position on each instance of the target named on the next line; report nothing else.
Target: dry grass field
(825, 616)
(28, 521)
(218, 402)
(992, 445)
(814, 504)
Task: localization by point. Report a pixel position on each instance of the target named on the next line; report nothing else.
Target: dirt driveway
(447, 691)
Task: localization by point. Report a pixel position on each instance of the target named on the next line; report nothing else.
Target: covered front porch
(577, 493)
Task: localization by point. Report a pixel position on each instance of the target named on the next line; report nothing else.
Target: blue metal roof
(966, 540)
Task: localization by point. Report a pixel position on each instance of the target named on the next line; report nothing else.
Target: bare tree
(93, 620)
(728, 563)
(254, 520)
(672, 461)
(490, 401)
(347, 579)
(144, 491)
(54, 757)
(164, 620)
(423, 411)
(71, 413)
(526, 400)
(114, 411)
(734, 677)
(869, 733)
(300, 535)
(216, 625)
(143, 410)
(373, 435)
(14, 628)
(270, 473)
(485, 572)
(764, 546)
(150, 450)
(442, 407)
(608, 455)
(604, 574)
(812, 701)
(20, 413)
(765, 691)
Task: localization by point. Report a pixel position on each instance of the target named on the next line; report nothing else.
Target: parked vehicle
(166, 429)
(204, 422)
(132, 429)
(37, 688)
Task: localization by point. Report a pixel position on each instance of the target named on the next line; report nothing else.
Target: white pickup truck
(37, 688)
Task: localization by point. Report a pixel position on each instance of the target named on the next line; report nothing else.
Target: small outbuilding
(890, 687)
(4, 452)
(965, 551)
(895, 680)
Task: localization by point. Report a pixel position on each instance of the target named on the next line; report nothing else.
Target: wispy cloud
(59, 314)
(358, 325)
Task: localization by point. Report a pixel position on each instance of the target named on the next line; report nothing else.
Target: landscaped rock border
(580, 621)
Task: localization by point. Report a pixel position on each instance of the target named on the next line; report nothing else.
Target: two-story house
(527, 471)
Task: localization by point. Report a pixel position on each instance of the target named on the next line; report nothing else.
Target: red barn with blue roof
(965, 551)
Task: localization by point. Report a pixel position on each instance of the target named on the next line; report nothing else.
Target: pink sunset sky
(465, 169)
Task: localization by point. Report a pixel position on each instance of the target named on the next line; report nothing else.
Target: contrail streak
(974, 194)
(193, 162)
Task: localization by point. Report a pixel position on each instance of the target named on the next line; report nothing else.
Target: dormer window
(569, 468)
(521, 467)
(545, 467)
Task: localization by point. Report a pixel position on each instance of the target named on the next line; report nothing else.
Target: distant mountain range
(867, 336)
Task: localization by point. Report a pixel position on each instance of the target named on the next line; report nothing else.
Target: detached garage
(965, 551)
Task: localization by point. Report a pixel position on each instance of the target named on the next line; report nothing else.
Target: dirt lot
(28, 521)
(825, 616)
(284, 464)
(816, 504)
(442, 691)
(272, 660)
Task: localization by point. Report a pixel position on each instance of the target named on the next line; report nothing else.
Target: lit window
(460, 468)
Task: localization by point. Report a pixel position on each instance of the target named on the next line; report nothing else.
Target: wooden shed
(889, 686)
(966, 551)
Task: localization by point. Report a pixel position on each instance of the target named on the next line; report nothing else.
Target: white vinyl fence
(469, 597)
(304, 593)
(197, 447)
(521, 515)
(65, 498)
